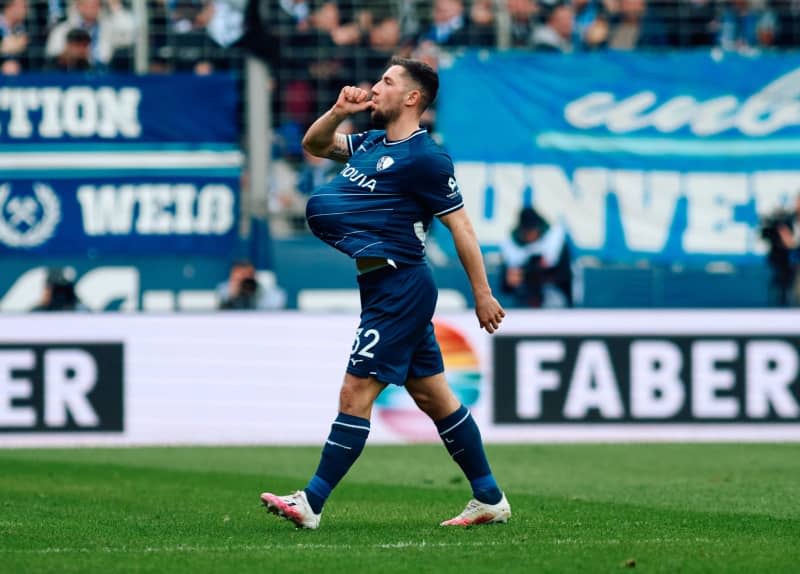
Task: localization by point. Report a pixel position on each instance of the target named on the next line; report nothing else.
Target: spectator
(322, 60)
(555, 33)
(13, 37)
(77, 52)
(450, 26)
(50, 12)
(741, 25)
(243, 291)
(782, 231)
(59, 292)
(429, 53)
(381, 43)
(384, 40)
(482, 25)
(269, 26)
(111, 30)
(226, 23)
(409, 13)
(536, 268)
(274, 31)
(522, 14)
(308, 59)
(188, 43)
(634, 26)
(591, 25)
(202, 31)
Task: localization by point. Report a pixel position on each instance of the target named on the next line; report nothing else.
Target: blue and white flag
(663, 157)
(57, 109)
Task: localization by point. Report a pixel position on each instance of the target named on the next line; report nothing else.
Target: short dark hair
(422, 74)
(78, 36)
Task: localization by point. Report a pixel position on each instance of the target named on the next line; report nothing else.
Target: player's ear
(413, 97)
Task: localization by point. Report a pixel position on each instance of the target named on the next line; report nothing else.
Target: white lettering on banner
(771, 367)
(69, 377)
(532, 378)
(728, 380)
(79, 112)
(162, 209)
(774, 107)
(14, 387)
(656, 368)
(646, 199)
(712, 199)
(158, 410)
(709, 378)
(558, 200)
(593, 384)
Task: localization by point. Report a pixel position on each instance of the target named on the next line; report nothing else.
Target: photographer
(782, 230)
(59, 292)
(243, 291)
(537, 268)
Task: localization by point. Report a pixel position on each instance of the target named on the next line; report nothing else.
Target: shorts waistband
(367, 264)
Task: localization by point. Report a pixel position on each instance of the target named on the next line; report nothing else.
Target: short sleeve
(437, 188)
(355, 140)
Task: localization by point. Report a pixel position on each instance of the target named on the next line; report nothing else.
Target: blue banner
(663, 157)
(130, 212)
(79, 109)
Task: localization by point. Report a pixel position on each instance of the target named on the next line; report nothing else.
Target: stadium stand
(312, 47)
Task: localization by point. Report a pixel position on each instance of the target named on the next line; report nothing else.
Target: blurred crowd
(313, 47)
(330, 41)
(316, 46)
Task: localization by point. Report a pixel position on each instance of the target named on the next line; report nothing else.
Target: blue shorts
(395, 339)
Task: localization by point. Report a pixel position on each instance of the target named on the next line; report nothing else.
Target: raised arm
(322, 139)
(490, 313)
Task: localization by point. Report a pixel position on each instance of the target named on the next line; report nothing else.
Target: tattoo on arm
(340, 150)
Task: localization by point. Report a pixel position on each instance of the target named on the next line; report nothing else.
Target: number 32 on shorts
(365, 341)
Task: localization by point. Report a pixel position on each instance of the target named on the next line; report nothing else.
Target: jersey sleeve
(436, 185)
(355, 140)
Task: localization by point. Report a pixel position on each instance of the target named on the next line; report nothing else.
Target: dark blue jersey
(382, 202)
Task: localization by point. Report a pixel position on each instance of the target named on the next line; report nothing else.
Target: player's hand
(352, 100)
(490, 313)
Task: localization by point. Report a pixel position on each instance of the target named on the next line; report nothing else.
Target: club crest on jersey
(384, 163)
(357, 177)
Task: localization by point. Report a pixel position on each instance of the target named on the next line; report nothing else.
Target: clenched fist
(352, 100)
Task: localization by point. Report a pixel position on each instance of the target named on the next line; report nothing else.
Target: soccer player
(377, 210)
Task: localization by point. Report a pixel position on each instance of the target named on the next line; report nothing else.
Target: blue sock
(462, 439)
(345, 443)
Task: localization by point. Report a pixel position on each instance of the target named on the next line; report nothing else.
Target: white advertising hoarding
(273, 378)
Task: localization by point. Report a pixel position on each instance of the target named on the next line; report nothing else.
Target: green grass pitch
(576, 508)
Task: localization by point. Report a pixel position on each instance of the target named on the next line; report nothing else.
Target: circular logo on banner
(28, 220)
(396, 408)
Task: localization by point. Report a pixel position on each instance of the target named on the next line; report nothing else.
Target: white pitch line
(313, 546)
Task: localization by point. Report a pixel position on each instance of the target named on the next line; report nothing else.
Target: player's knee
(355, 399)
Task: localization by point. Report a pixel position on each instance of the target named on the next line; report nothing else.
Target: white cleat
(478, 512)
(292, 507)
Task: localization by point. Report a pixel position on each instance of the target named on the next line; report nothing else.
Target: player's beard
(380, 119)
